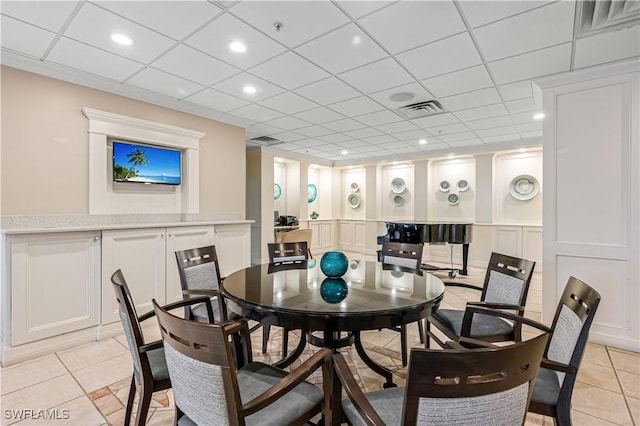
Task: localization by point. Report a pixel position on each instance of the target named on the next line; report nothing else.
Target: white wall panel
(452, 171)
(508, 209)
(508, 240)
(390, 211)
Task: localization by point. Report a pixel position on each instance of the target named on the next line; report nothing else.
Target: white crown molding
(593, 73)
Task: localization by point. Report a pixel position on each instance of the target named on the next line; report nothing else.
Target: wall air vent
(264, 141)
(598, 16)
(421, 109)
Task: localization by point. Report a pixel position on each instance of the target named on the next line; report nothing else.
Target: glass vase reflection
(333, 290)
(334, 264)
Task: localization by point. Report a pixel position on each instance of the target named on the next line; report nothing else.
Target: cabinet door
(183, 238)
(233, 246)
(55, 284)
(141, 254)
(345, 234)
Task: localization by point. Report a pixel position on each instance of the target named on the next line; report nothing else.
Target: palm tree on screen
(136, 158)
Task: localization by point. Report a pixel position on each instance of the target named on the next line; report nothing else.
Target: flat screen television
(140, 163)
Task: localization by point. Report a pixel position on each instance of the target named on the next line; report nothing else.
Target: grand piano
(432, 233)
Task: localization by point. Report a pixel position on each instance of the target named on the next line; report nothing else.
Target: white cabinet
(352, 235)
(147, 259)
(233, 247)
(321, 237)
(55, 284)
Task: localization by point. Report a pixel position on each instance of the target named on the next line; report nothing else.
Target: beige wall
(44, 147)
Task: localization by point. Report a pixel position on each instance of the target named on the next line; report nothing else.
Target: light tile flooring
(88, 385)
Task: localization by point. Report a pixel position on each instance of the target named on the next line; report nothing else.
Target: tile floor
(88, 385)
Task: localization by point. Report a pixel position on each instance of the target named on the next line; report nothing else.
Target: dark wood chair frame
(508, 265)
(410, 252)
(228, 345)
(147, 384)
(583, 300)
(450, 373)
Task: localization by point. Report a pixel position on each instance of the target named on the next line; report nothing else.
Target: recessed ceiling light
(538, 116)
(121, 39)
(450, 157)
(402, 97)
(422, 141)
(522, 150)
(237, 46)
(249, 90)
(345, 152)
(356, 40)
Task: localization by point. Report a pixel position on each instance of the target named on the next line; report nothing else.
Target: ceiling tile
(216, 100)
(377, 76)
(256, 113)
(94, 26)
(76, 55)
(532, 134)
(50, 15)
(465, 142)
(419, 93)
(356, 106)
(363, 133)
(531, 126)
(288, 103)
(496, 131)
(301, 21)
(537, 29)
(482, 12)
(524, 117)
(487, 123)
(519, 90)
(381, 139)
(535, 64)
(161, 15)
(24, 38)
(433, 147)
(288, 136)
(612, 46)
(440, 57)
(354, 144)
(234, 86)
(401, 126)
(379, 118)
(194, 65)
(261, 129)
(161, 82)
(319, 115)
(327, 91)
(214, 39)
(482, 112)
(344, 125)
(342, 49)
(405, 25)
(501, 138)
(288, 123)
(314, 131)
(412, 135)
(325, 147)
(447, 129)
(396, 145)
(523, 105)
(289, 71)
(471, 99)
(435, 120)
(357, 9)
(335, 137)
(454, 83)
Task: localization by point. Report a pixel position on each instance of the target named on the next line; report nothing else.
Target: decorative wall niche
(105, 197)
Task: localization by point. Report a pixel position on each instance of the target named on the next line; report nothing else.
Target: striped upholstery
(133, 348)
(202, 277)
(564, 338)
(504, 288)
(402, 261)
(289, 258)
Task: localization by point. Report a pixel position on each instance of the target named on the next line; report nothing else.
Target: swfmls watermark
(36, 414)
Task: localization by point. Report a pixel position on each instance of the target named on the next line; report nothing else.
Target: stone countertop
(31, 224)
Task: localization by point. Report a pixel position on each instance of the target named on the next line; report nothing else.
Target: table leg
(384, 372)
(285, 362)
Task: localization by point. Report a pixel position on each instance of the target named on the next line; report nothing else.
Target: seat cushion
(546, 388)
(387, 403)
(482, 325)
(158, 364)
(256, 378)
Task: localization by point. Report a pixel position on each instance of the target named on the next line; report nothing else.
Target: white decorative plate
(445, 186)
(453, 199)
(353, 200)
(355, 187)
(398, 200)
(398, 186)
(462, 185)
(524, 187)
(277, 191)
(312, 193)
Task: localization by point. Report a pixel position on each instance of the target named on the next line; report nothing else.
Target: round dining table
(297, 295)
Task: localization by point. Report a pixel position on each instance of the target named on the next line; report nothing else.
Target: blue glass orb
(333, 290)
(334, 264)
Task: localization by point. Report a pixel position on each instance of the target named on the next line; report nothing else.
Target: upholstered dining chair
(563, 354)
(215, 381)
(408, 256)
(150, 372)
(506, 285)
(487, 386)
(298, 235)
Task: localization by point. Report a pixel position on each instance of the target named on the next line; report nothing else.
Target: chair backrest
(198, 268)
(507, 279)
(571, 324)
(131, 326)
(287, 252)
(477, 386)
(402, 254)
(201, 367)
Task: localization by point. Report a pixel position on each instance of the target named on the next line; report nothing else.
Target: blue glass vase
(333, 290)
(334, 264)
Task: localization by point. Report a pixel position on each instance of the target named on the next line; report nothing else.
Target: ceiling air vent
(597, 16)
(265, 141)
(421, 109)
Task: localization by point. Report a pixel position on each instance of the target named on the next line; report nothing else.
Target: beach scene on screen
(145, 164)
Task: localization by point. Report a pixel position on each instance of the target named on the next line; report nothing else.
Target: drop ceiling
(331, 78)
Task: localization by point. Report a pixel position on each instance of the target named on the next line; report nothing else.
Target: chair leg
(285, 342)
(266, 328)
(309, 250)
(427, 336)
(421, 331)
(403, 344)
(143, 405)
(132, 395)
